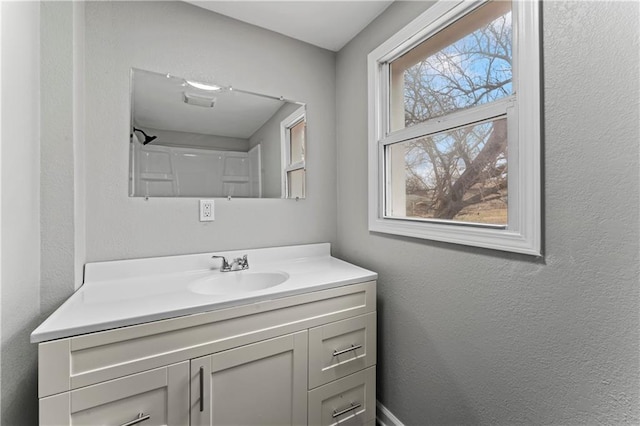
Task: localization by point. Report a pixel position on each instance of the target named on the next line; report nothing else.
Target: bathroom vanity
(175, 341)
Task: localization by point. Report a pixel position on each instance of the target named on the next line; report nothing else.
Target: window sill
(486, 237)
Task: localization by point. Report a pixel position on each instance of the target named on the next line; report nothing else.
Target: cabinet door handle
(141, 418)
(346, 410)
(201, 389)
(344, 351)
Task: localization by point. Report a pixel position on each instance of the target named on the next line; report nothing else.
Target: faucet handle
(242, 262)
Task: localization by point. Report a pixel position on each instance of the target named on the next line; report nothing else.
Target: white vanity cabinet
(303, 359)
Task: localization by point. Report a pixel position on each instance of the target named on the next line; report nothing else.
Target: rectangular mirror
(191, 139)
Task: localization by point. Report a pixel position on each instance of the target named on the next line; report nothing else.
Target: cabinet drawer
(341, 348)
(153, 398)
(349, 401)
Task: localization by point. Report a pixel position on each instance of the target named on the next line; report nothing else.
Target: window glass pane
(458, 175)
(464, 65)
(297, 142)
(295, 182)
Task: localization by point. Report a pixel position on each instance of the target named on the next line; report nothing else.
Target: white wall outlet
(206, 211)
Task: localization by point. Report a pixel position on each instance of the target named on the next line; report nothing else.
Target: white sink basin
(115, 293)
(237, 282)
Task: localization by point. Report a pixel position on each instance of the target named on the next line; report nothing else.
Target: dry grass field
(492, 211)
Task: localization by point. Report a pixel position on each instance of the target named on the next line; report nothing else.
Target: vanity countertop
(129, 292)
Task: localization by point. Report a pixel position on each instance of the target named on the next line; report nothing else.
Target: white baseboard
(384, 417)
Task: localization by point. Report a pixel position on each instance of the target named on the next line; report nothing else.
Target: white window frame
(523, 231)
(294, 118)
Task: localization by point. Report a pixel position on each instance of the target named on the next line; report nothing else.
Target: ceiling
(158, 103)
(329, 24)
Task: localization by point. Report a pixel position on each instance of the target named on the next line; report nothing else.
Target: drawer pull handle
(141, 418)
(346, 410)
(344, 351)
(201, 389)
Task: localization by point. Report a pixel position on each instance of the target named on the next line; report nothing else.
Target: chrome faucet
(238, 264)
(225, 265)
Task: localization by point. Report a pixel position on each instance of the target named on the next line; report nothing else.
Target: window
(293, 131)
(454, 125)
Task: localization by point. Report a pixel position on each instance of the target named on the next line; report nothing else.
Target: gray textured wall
(473, 336)
(20, 248)
(188, 41)
(57, 190)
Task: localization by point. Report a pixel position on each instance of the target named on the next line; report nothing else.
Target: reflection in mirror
(191, 139)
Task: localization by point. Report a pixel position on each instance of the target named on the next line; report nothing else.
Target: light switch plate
(206, 211)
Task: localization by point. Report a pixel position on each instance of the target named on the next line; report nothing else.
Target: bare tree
(467, 166)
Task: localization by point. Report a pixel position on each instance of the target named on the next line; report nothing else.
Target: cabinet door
(264, 383)
(152, 398)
